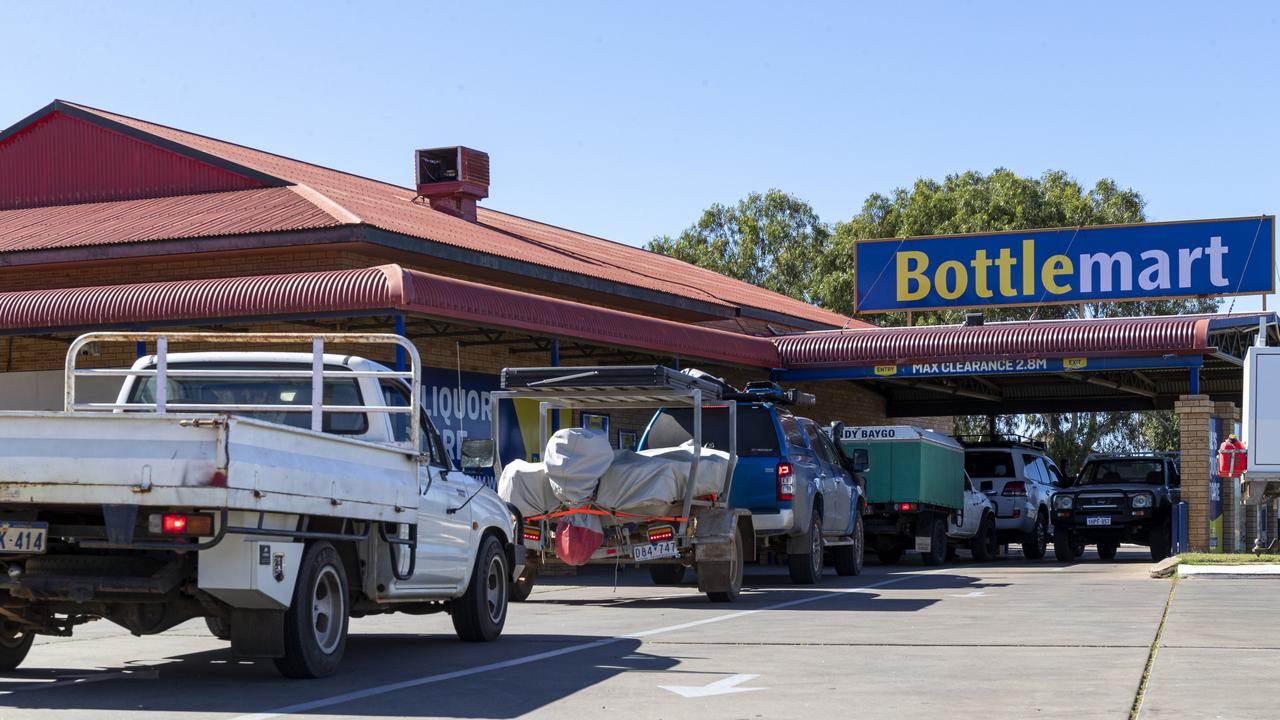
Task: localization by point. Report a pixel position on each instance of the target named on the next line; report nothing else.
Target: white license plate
(28, 538)
(1098, 520)
(654, 551)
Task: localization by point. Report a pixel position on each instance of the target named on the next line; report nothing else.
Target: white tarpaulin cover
(525, 485)
(711, 467)
(638, 484)
(575, 460)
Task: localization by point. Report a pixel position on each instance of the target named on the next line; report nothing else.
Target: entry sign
(1067, 265)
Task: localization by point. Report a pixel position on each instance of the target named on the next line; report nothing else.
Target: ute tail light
(658, 533)
(906, 507)
(786, 481)
(1014, 488)
(181, 524)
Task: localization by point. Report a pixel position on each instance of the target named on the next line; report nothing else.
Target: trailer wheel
(218, 627)
(315, 625)
(478, 616)
(522, 588)
(1035, 543)
(667, 574)
(736, 571)
(806, 568)
(15, 643)
(1107, 549)
(984, 546)
(849, 557)
(1064, 546)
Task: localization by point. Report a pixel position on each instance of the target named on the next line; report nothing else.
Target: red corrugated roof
(389, 207)
(388, 287)
(188, 216)
(1011, 340)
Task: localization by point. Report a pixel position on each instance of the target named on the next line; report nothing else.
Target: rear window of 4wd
(757, 436)
(989, 463)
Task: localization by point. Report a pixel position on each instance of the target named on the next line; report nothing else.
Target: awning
(365, 291)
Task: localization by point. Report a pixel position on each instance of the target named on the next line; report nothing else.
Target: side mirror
(478, 454)
(860, 460)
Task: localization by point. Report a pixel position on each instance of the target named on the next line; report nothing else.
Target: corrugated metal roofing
(188, 216)
(60, 160)
(1035, 339)
(391, 208)
(389, 288)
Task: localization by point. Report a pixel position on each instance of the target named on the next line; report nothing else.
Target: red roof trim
(1109, 337)
(386, 288)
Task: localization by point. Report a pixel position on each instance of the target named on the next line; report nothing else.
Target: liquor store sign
(1104, 263)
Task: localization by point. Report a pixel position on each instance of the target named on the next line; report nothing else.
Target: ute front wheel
(1064, 546)
(478, 616)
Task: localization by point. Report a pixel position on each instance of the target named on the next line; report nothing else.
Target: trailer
(700, 532)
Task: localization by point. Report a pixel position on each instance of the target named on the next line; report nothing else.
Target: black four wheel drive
(1115, 499)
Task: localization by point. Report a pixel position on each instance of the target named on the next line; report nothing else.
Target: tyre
(806, 568)
(478, 616)
(523, 586)
(849, 557)
(736, 571)
(1064, 546)
(218, 627)
(15, 643)
(937, 538)
(984, 544)
(1035, 543)
(667, 574)
(1161, 541)
(888, 551)
(1107, 549)
(315, 625)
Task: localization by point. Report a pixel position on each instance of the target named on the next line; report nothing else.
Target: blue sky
(626, 120)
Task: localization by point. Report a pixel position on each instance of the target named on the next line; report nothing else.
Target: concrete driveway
(1011, 639)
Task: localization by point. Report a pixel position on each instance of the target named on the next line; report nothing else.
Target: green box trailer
(914, 483)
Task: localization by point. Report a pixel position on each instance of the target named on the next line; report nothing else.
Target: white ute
(274, 494)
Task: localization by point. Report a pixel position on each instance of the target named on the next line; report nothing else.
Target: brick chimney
(452, 179)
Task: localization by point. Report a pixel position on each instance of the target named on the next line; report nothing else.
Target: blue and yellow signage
(1067, 265)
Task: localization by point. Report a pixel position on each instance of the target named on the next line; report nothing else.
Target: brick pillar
(1231, 509)
(1194, 412)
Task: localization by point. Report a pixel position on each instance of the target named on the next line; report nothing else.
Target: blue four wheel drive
(805, 501)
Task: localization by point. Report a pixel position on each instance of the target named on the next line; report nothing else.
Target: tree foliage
(777, 241)
(771, 239)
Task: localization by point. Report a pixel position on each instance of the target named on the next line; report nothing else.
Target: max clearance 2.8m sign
(1068, 265)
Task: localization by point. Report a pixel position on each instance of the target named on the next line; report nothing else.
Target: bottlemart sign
(1067, 265)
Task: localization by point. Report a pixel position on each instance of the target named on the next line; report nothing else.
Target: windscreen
(259, 391)
(1102, 472)
(989, 463)
(757, 436)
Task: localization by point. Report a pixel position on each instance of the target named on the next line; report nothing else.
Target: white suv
(1019, 479)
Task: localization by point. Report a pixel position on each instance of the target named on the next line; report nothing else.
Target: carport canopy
(1098, 364)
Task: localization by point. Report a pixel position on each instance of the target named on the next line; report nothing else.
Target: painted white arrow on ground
(726, 686)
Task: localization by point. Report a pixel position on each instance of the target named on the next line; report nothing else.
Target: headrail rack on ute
(706, 532)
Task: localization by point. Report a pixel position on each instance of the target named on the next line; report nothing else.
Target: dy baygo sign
(1068, 265)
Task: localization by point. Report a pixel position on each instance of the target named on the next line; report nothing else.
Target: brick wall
(1194, 412)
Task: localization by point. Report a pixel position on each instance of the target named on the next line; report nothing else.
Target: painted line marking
(727, 686)
(975, 593)
(85, 679)
(311, 705)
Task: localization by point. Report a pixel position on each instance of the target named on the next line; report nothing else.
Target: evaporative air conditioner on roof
(452, 179)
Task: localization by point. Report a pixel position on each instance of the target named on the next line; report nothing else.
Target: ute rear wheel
(218, 627)
(1107, 549)
(523, 585)
(15, 643)
(667, 574)
(806, 568)
(937, 553)
(984, 545)
(888, 551)
(479, 615)
(315, 625)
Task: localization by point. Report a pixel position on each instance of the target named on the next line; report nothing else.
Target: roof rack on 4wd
(1144, 454)
(769, 391)
(1001, 438)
